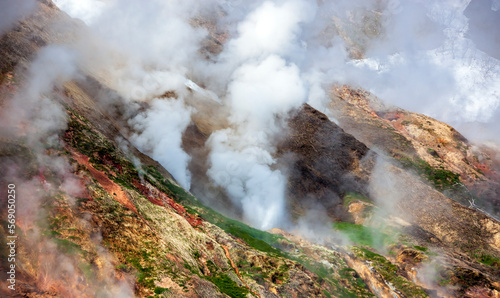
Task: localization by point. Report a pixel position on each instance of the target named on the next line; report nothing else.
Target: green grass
(87, 270)
(320, 269)
(260, 240)
(354, 196)
(68, 247)
(362, 235)
(177, 193)
(145, 273)
(357, 287)
(257, 239)
(160, 290)
(349, 273)
(122, 267)
(227, 286)
(488, 260)
(421, 248)
(441, 179)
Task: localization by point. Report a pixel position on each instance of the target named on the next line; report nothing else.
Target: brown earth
(324, 163)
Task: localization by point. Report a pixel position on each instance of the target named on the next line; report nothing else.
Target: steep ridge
(433, 149)
(326, 162)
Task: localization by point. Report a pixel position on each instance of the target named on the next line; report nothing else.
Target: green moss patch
(364, 236)
(227, 286)
(441, 179)
(488, 260)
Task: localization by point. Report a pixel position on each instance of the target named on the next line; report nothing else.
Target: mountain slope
(99, 218)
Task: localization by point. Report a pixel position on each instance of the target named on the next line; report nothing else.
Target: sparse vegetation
(441, 179)
(257, 239)
(488, 260)
(358, 286)
(103, 154)
(68, 246)
(389, 272)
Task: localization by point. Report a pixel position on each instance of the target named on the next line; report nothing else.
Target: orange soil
(111, 187)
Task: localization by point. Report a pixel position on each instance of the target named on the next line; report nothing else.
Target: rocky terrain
(408, 206)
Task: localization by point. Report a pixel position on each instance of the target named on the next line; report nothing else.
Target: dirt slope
(324, 162)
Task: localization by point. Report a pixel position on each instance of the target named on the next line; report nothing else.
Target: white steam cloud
(13, 11)
(85, 10)
(426, 63)
(262, 86)
(419, 55)
(31, 113)
(161, 128)
(149, 48)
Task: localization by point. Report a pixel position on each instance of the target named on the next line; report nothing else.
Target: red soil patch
(397, 125)
(391, 116)
(111, 187)
(83, 182)
(484, 168)
(144, 190)
(193, 220)
(161, 199)
(173, 258)
(106, 159)
(43, 180)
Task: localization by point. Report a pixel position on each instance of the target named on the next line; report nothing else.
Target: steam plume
(419, 55)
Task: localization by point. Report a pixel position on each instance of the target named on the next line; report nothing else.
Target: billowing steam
(12, 11)
(419, 55)
(427, 62)
(262, 86)
(161, 136)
